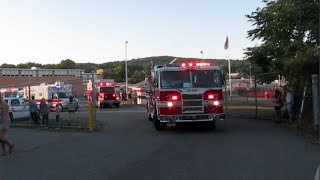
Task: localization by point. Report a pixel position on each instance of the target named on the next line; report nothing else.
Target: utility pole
(94, 99)
(126, 69)
(202, 56)
(29, 95)
(250, 77)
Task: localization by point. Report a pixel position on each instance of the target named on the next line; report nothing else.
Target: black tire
(149, 116)
(212, 125)
(117, 105)
(11, 117)
(157, 124)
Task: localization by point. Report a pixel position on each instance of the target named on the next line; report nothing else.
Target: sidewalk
(28, 140)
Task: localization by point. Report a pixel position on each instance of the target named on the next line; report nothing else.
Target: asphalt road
(130, 148)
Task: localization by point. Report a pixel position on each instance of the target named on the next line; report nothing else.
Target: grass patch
(249, 111)
(75, 123)
(305, 129)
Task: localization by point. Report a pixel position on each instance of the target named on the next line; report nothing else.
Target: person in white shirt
(290, 103)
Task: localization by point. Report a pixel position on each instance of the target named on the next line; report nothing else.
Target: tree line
(138, 69)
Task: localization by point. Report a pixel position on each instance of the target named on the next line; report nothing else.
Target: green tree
(289, 32)
(137, 76)
(289, 35)
(49, 66)
(67, 64)
(7, 65)
(29, 65)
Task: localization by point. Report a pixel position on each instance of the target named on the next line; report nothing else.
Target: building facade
(14, 77)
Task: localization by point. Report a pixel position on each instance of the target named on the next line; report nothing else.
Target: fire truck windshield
(174, 79)
(107, 89)
(199, 79)
(206, 78)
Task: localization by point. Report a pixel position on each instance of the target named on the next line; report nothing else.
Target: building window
(49, 73)
(9, 72)
(57, 73)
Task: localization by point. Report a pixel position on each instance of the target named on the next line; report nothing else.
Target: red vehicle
(105, 93)
(188, 93)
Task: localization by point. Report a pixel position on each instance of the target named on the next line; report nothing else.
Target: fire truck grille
(191, 96)
(192, 109)
(109, 96)
(192, 103)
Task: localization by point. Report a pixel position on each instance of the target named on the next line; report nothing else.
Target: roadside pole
(255, 95)
(315, 85)
(94, 100)
(29, 95)
(58, 110)
(302, 103)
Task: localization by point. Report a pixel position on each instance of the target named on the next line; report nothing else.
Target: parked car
(17, 108)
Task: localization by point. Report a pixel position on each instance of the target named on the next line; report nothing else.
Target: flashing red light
(195, 64)
(114, 95)
(174, 97)
(210, 96)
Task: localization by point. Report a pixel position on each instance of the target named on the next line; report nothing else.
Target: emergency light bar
(106, 84)
(204, 64)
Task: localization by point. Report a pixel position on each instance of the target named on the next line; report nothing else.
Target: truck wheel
(157, 124)
(11, 117)
(149, 116)
(212, 125)
(117, 105)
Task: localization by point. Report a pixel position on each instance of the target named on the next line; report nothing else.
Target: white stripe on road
(317, 176)
(103, 112)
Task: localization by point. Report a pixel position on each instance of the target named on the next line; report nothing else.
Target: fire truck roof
(178, 68)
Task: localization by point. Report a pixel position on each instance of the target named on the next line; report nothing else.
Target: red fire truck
(105, 92)
(186, 93)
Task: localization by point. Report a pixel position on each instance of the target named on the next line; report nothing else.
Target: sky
(48, 31)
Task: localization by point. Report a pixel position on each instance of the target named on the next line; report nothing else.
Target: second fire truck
(105, 92)
(186, 93)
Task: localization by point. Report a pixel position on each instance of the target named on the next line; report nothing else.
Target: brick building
(14, 77)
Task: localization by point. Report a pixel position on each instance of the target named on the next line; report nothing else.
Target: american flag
(226, 44)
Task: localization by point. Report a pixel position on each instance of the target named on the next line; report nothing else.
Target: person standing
(34, 111)
(44, 111)
(290, 103)
(4, 127)
(278, 104)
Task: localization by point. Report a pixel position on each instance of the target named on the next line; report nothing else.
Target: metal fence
(249, 99)
(58, 118)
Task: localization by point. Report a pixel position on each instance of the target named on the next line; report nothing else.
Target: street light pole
(250, 78)
(202, 56)
(126, 69)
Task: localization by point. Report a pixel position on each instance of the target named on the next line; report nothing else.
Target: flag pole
(229, 64)
(226, 47)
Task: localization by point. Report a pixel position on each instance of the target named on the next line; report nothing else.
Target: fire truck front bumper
(191, 118)
(110, 102)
